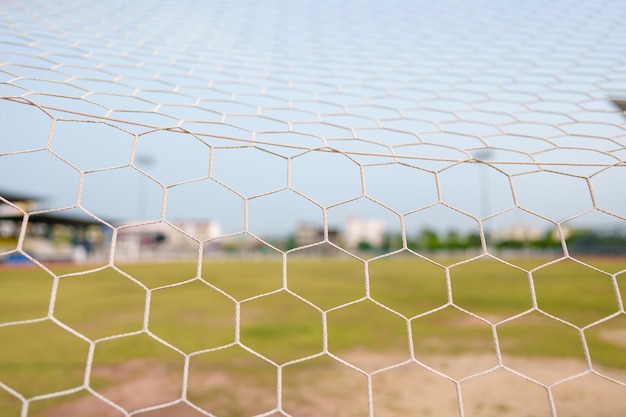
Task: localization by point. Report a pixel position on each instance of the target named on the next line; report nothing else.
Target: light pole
(480, 157)
(142, 161)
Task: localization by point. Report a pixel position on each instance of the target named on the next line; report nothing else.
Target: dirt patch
(327, 387)
(615, 336)
(499, 391)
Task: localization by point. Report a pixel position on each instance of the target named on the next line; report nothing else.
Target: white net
(312, 208)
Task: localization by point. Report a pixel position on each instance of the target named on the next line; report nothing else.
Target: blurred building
(308, 234)
(178, 239)
(369, 232)
(519, 233)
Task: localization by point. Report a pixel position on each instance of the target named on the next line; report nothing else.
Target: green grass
(195, 312)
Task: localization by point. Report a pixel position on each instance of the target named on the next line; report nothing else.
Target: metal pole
(142, 161)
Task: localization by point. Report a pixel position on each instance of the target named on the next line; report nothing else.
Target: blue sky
(267, 114)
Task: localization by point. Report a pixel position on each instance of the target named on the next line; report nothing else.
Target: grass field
(390, 308)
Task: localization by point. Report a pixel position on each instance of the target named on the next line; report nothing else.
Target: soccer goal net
(312, 208)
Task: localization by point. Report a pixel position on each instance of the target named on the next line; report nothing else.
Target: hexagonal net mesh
(312, 208)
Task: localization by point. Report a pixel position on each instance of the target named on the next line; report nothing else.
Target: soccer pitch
(230, 327)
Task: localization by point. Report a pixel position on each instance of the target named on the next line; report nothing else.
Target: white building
(370, 231)
(177, 240)
(520, 233)
(200, 229)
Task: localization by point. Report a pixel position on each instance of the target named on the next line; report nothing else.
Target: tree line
(587, 241)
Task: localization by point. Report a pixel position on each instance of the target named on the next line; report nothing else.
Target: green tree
(429, 240)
